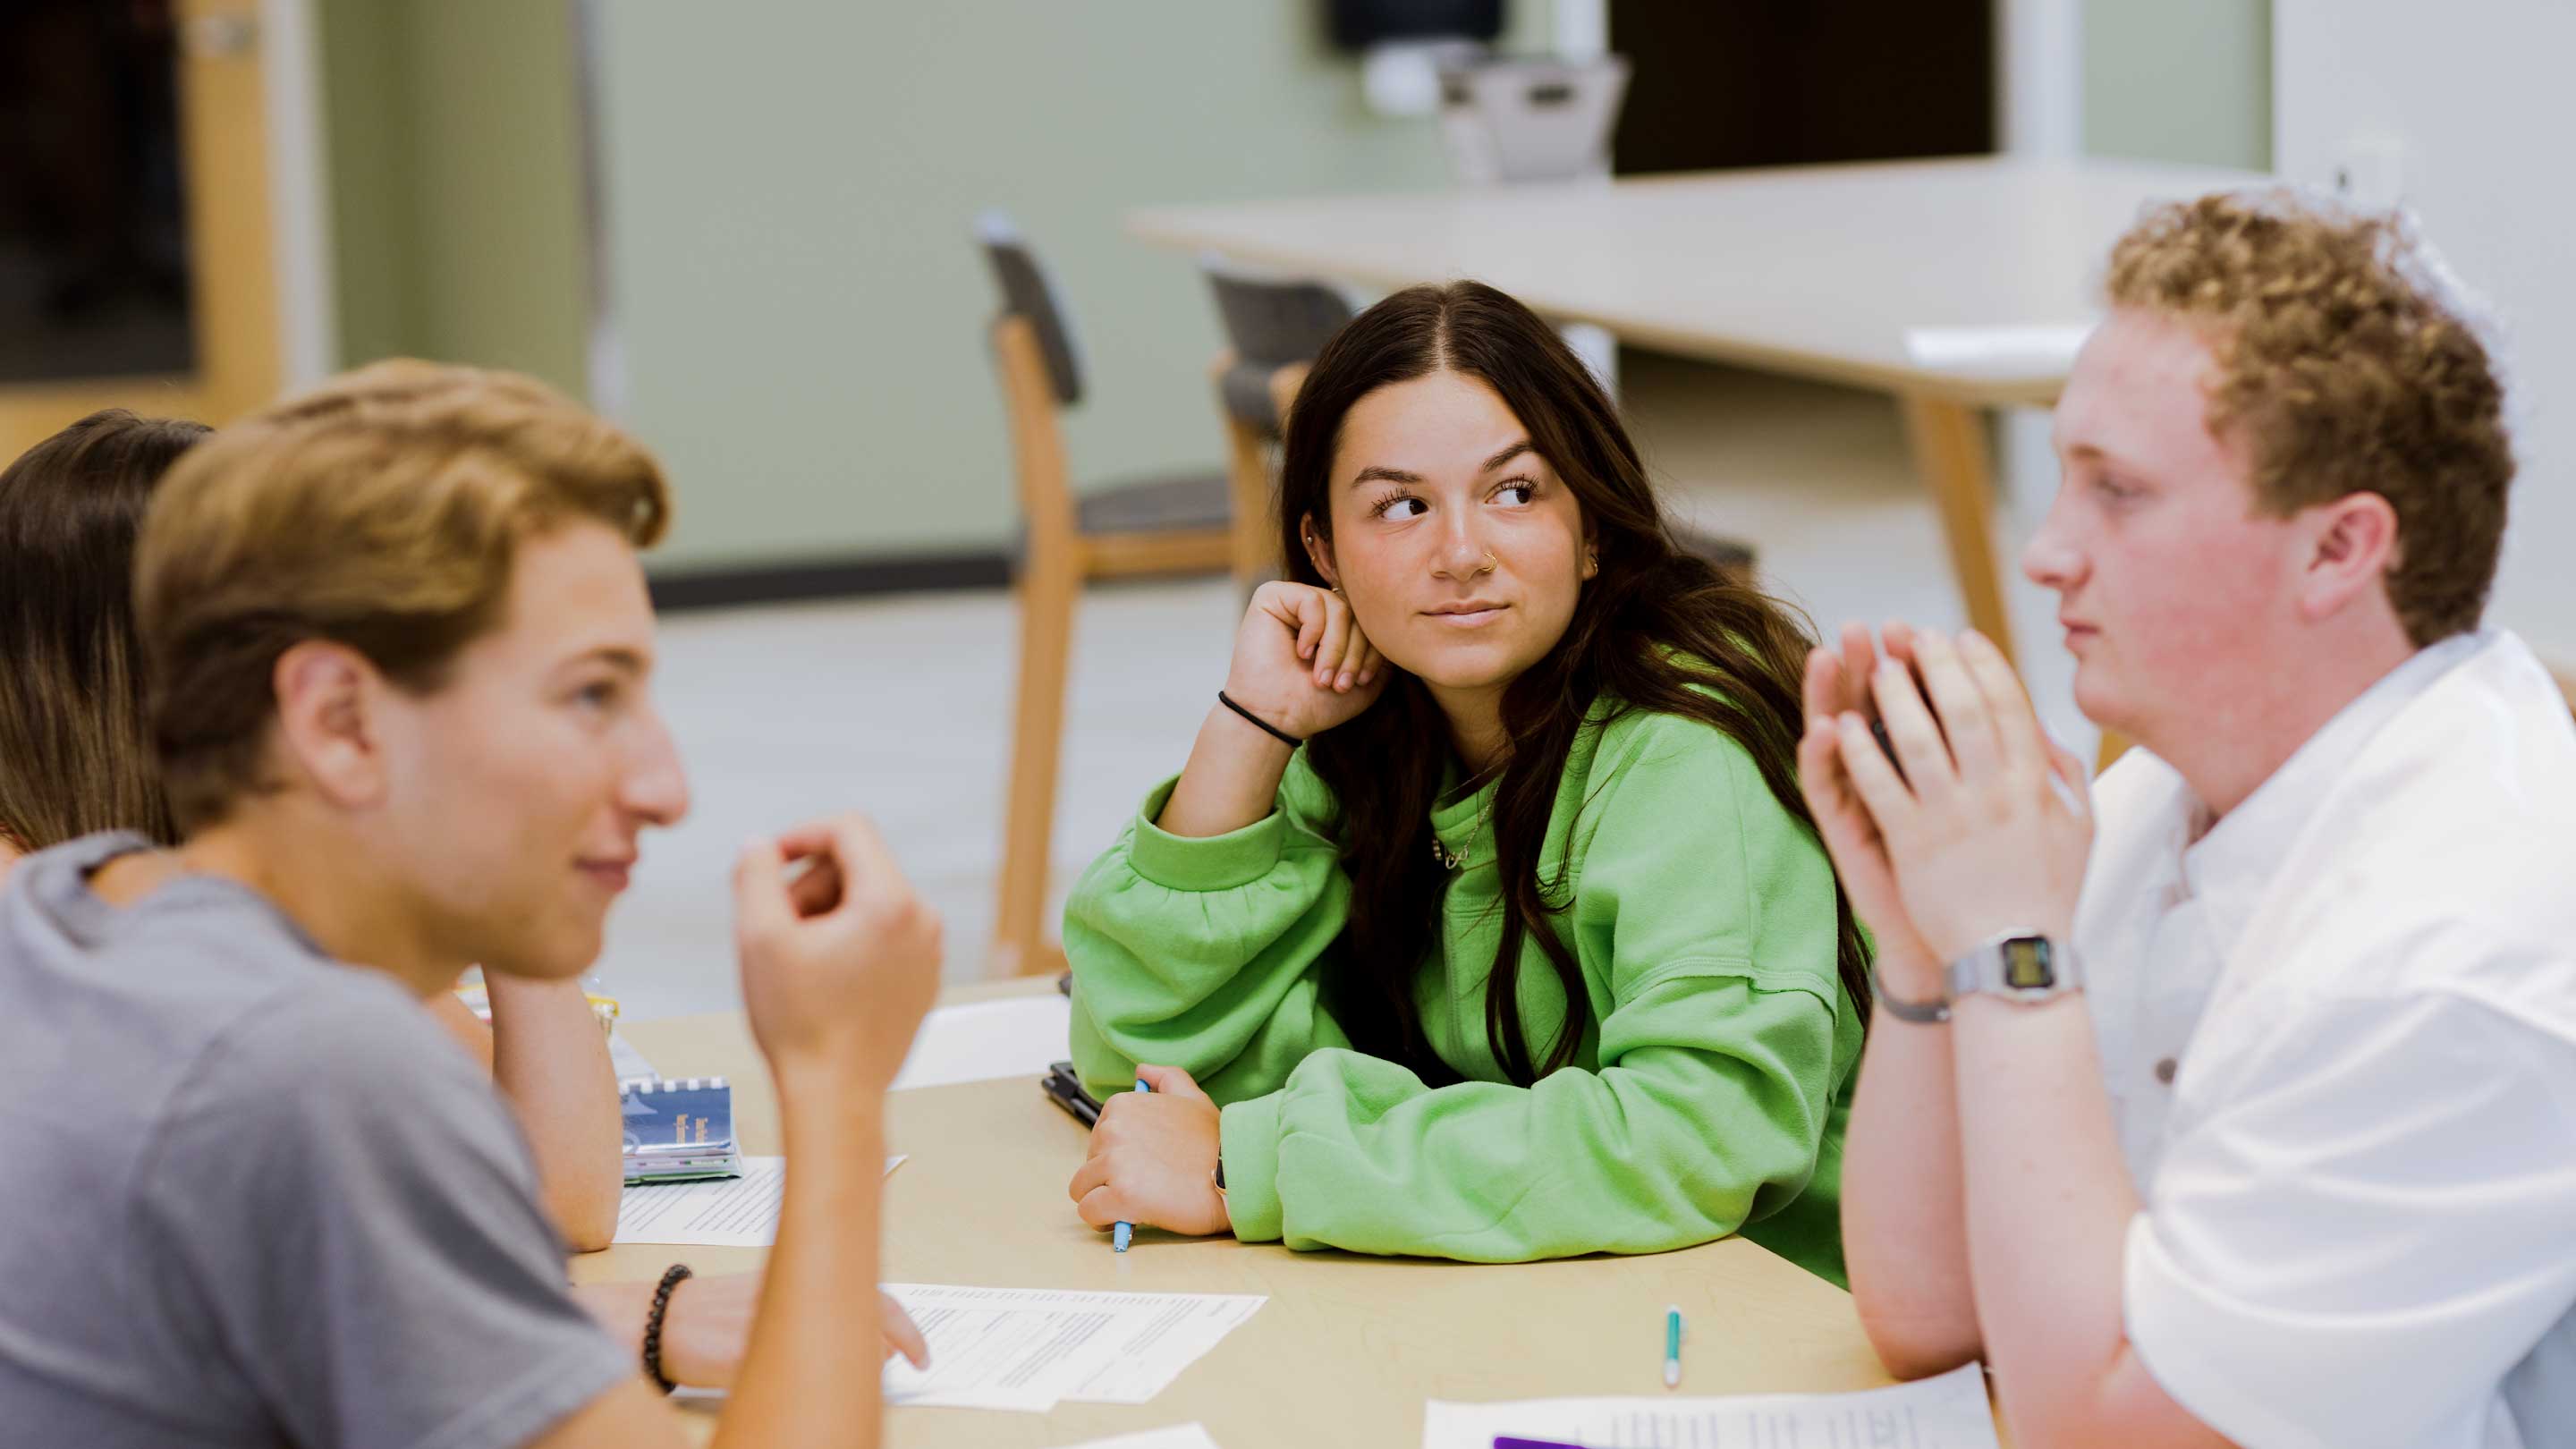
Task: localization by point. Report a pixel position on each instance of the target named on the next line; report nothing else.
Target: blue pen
(1125, 1231)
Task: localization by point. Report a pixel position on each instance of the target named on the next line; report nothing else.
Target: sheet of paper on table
(1178, 1436)
(728, 1212)
(982, 1040)
(1028, 1348)
(2045, 347)
(1948, 1412)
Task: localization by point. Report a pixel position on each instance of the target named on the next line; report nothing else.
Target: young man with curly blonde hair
(2238, 1104)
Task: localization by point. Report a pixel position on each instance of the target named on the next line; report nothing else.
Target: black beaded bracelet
(672, 1277)
(1272, 730)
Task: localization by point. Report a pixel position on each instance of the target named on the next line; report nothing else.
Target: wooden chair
(1151, 526)
(1273, 329)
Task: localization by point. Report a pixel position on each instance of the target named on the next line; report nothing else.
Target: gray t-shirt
(253, 1196)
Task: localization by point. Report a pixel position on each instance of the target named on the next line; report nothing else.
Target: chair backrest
(1532, 119)
(1270, 322)
(1277, 320)
(1027, 291)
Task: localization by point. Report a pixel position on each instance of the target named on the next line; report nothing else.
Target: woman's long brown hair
(75, 753)
(1657, 629)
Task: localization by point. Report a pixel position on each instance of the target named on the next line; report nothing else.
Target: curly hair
(2346, 365)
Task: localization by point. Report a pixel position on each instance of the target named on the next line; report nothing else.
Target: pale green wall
(792, 186)
(451, 128)
(365, 99)
(2179, 80)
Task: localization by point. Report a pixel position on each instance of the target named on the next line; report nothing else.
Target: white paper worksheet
(979, 1041)
(1179, 1436)
(1949, 1412)
(1027, 1348)
(725, 1212)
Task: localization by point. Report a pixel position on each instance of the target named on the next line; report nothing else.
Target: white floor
(900, 706)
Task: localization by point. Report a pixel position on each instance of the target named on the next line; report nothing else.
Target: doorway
(1730, 83)
(136, 256)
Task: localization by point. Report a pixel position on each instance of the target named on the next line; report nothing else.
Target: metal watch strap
(1928, 1013)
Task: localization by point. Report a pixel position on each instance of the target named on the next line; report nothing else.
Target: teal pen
(1672, 1345)
(1125, 1231)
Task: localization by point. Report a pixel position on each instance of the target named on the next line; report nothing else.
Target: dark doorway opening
(1730, 83)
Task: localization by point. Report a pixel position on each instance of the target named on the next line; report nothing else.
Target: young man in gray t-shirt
(400, 645)
(258, 1196)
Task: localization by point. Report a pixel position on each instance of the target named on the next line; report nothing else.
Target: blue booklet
(679, 1129)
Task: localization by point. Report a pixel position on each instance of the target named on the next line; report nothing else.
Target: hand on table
(709, 1321)
(1988, 829)
(1153, 1159)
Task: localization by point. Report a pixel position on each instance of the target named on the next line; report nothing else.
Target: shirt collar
(2232, 866)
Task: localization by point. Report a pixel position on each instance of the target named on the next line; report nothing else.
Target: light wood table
(1815, 272)
(1348, 1347)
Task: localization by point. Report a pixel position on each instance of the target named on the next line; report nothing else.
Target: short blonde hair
(381, 511)
(2345, 368)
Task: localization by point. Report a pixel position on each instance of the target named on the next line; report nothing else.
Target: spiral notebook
(679, 1129)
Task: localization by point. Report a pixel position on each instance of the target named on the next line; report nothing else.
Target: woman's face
(1460, 549)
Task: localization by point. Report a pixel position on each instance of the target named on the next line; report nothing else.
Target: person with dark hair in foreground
(75, 756)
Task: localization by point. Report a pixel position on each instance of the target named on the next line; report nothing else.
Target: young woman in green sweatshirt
(1485, 920)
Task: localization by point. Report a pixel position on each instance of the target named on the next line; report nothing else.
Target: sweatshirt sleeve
(1717, 1055)
(1202, 953)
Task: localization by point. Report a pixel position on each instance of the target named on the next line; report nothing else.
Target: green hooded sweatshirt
(1708, 1096)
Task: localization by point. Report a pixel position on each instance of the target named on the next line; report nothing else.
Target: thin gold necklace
(1449, 859)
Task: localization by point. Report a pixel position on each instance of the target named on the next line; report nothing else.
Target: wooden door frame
(224, 132)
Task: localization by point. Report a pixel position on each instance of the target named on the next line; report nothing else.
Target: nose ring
(1491, 563)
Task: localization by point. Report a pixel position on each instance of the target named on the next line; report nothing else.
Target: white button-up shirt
(2338, 1029)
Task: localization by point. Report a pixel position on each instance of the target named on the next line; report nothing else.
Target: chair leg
(1255, 532)
(1047, 594)
(1949, 442)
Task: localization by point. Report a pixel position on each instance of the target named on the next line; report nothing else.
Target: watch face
(2027, 966)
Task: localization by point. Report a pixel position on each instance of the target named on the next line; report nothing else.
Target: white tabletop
(1348, 1347)
(1813, 271)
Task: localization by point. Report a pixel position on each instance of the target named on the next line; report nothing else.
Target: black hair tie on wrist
(672, 1277)
(1267, 728)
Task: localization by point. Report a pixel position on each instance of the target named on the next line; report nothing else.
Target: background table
(1347, 1348)
(1815, 272)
